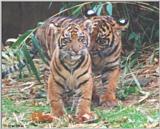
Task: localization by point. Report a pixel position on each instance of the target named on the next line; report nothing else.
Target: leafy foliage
(38, 47)
(109, 8)
(124, 117)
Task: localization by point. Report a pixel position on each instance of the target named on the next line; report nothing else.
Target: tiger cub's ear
(88, 25)
(122, 24)
(53, 29)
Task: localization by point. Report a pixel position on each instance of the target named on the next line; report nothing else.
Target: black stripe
(57, 65)
(109, 52)
(108, 33)
(85, 98)
(112, 40)
(59, 73)
(59, 43)
(82, 74)
(15, 68)
(8, 72)
(108, 69)
(65, 66)
(80, 84)
(112, 61)
(11, 70)
(58, 83)
(3, 74)
(78, 65)
(107, 26)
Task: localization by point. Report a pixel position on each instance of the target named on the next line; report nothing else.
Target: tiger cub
(105, 50)
(71, 69)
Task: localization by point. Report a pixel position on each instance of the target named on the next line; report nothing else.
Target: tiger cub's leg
(109, 97)
(95, 96)
(55, 98)
(84, 104)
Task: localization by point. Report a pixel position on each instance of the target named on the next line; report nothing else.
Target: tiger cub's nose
(77, 48)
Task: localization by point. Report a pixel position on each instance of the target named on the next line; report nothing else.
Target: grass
(124, 117)
(17, 114)
(22, 110)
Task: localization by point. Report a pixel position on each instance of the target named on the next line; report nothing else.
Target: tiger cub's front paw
(86, 117)
(108, 100)
(109, 103)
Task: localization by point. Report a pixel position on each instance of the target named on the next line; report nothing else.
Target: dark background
(17, 17)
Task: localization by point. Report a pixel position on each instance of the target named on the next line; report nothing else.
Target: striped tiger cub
(105, 50)
(71, 70)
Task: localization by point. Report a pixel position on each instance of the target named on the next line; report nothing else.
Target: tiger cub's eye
(82, 39)
(66, 40)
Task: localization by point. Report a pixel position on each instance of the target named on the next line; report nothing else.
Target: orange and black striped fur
(71, 69)
(105, 51)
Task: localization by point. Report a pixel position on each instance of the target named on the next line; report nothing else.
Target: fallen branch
(31, 85)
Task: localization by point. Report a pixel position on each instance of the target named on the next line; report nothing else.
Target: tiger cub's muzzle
(72, 55)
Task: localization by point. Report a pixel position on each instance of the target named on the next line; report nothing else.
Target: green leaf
(95, 8)
(30, 62)
(137, 37)
(132, 35)
(109, 8)
(99, 9)
(50, 4)
(21, 39)
(77, 10)
(37, 45)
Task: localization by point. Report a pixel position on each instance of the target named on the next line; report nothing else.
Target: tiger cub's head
(73, 40)
(106, 30)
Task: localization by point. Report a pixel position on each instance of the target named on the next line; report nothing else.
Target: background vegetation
(138, 85)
